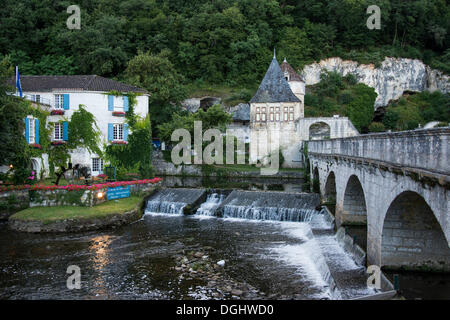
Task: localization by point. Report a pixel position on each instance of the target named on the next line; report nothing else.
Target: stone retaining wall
(17, 200)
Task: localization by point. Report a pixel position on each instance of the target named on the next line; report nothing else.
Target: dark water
(251, 184)
(134, 262)
(412, 285)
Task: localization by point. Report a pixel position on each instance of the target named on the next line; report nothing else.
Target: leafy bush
(376, 127)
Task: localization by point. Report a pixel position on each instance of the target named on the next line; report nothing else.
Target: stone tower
(295, 81)
(274, 109)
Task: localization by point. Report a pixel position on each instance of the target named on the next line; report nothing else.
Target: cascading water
(172, 201)
(270, 206)
(212, 202)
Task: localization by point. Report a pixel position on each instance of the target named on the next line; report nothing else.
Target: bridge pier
(405, 208)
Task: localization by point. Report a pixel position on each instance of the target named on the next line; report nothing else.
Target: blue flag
(18, 85)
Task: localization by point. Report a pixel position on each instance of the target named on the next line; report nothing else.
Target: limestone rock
(390, 80)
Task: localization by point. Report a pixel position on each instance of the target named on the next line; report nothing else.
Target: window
(31, 130)
(58, 131)
(271, 109)
(97, 165)
(277, 109)
(277, 116)
(285, 116)
(258, 117)
(257, 109)
(291, 116)
(263, 117)
(264, 109)
(291, 109)
(118, 131)
(59, 101)
(271, 116)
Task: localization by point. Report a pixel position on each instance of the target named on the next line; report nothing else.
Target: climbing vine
(136, 156)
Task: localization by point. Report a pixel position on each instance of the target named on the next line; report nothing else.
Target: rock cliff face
(390, 80)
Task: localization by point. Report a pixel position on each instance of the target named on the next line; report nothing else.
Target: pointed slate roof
(293, 76)
(274, 87)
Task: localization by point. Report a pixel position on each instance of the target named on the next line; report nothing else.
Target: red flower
(58, 143)
(57, 112)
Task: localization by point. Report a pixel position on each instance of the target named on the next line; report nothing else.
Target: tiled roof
(274, 87)
(293, 76)
(84, 83)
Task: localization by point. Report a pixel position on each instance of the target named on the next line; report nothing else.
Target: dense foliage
(413, 110)
(217, 41)
(337, 95)
(135, 157)
(215, 117)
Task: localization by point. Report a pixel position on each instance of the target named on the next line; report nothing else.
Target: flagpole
(17, 77)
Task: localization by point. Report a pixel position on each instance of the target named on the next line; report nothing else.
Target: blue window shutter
(125, 132)
(65, 131)
(126, 103)
(110, 103)
(110, 132)
(27, 130)
(36, 128)
(66, 102)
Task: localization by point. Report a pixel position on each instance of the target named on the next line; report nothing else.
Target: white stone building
(64, 94)
(277, 119)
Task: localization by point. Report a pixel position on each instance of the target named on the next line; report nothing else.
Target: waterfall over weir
(278, 206)
(209, 207)
(173, 201)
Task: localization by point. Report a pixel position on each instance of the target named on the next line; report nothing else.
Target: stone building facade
(277, 118)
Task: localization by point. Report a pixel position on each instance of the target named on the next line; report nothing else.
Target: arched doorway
(412, 237)
(329, 197)
(319, 131)
(354, 206)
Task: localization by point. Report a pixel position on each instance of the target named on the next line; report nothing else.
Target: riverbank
(109, 214)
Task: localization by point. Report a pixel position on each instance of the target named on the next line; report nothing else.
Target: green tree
(158, 76)
(360, 110)
(215, 117)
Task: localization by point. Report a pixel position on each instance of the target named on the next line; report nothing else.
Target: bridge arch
(412, 236)
(319, 130)
(329, 196)
(354, 203)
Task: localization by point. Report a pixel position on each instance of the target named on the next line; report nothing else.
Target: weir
(278, 206)
(209, 207)
(175, 201)
(331, 260)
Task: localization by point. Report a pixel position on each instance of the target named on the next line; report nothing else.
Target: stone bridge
(396, 183)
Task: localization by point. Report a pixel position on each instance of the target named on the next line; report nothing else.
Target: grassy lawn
(51, 214)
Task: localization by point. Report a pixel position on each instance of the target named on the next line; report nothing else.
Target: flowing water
(277, 244)
(209, 207)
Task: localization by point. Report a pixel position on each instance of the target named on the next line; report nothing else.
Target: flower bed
(57, 112)
(36, 146)
(71, 187)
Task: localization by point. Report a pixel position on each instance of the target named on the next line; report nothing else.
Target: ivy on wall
(136, 156)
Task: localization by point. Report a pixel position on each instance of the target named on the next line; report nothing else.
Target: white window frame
(118, 131)
(291, 116)
(58, 134)
(285, 116)
(277, 117)
(31, 130)
(97, 163)
(59, 101)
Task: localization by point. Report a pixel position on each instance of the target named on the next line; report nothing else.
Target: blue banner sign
(118, 193)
